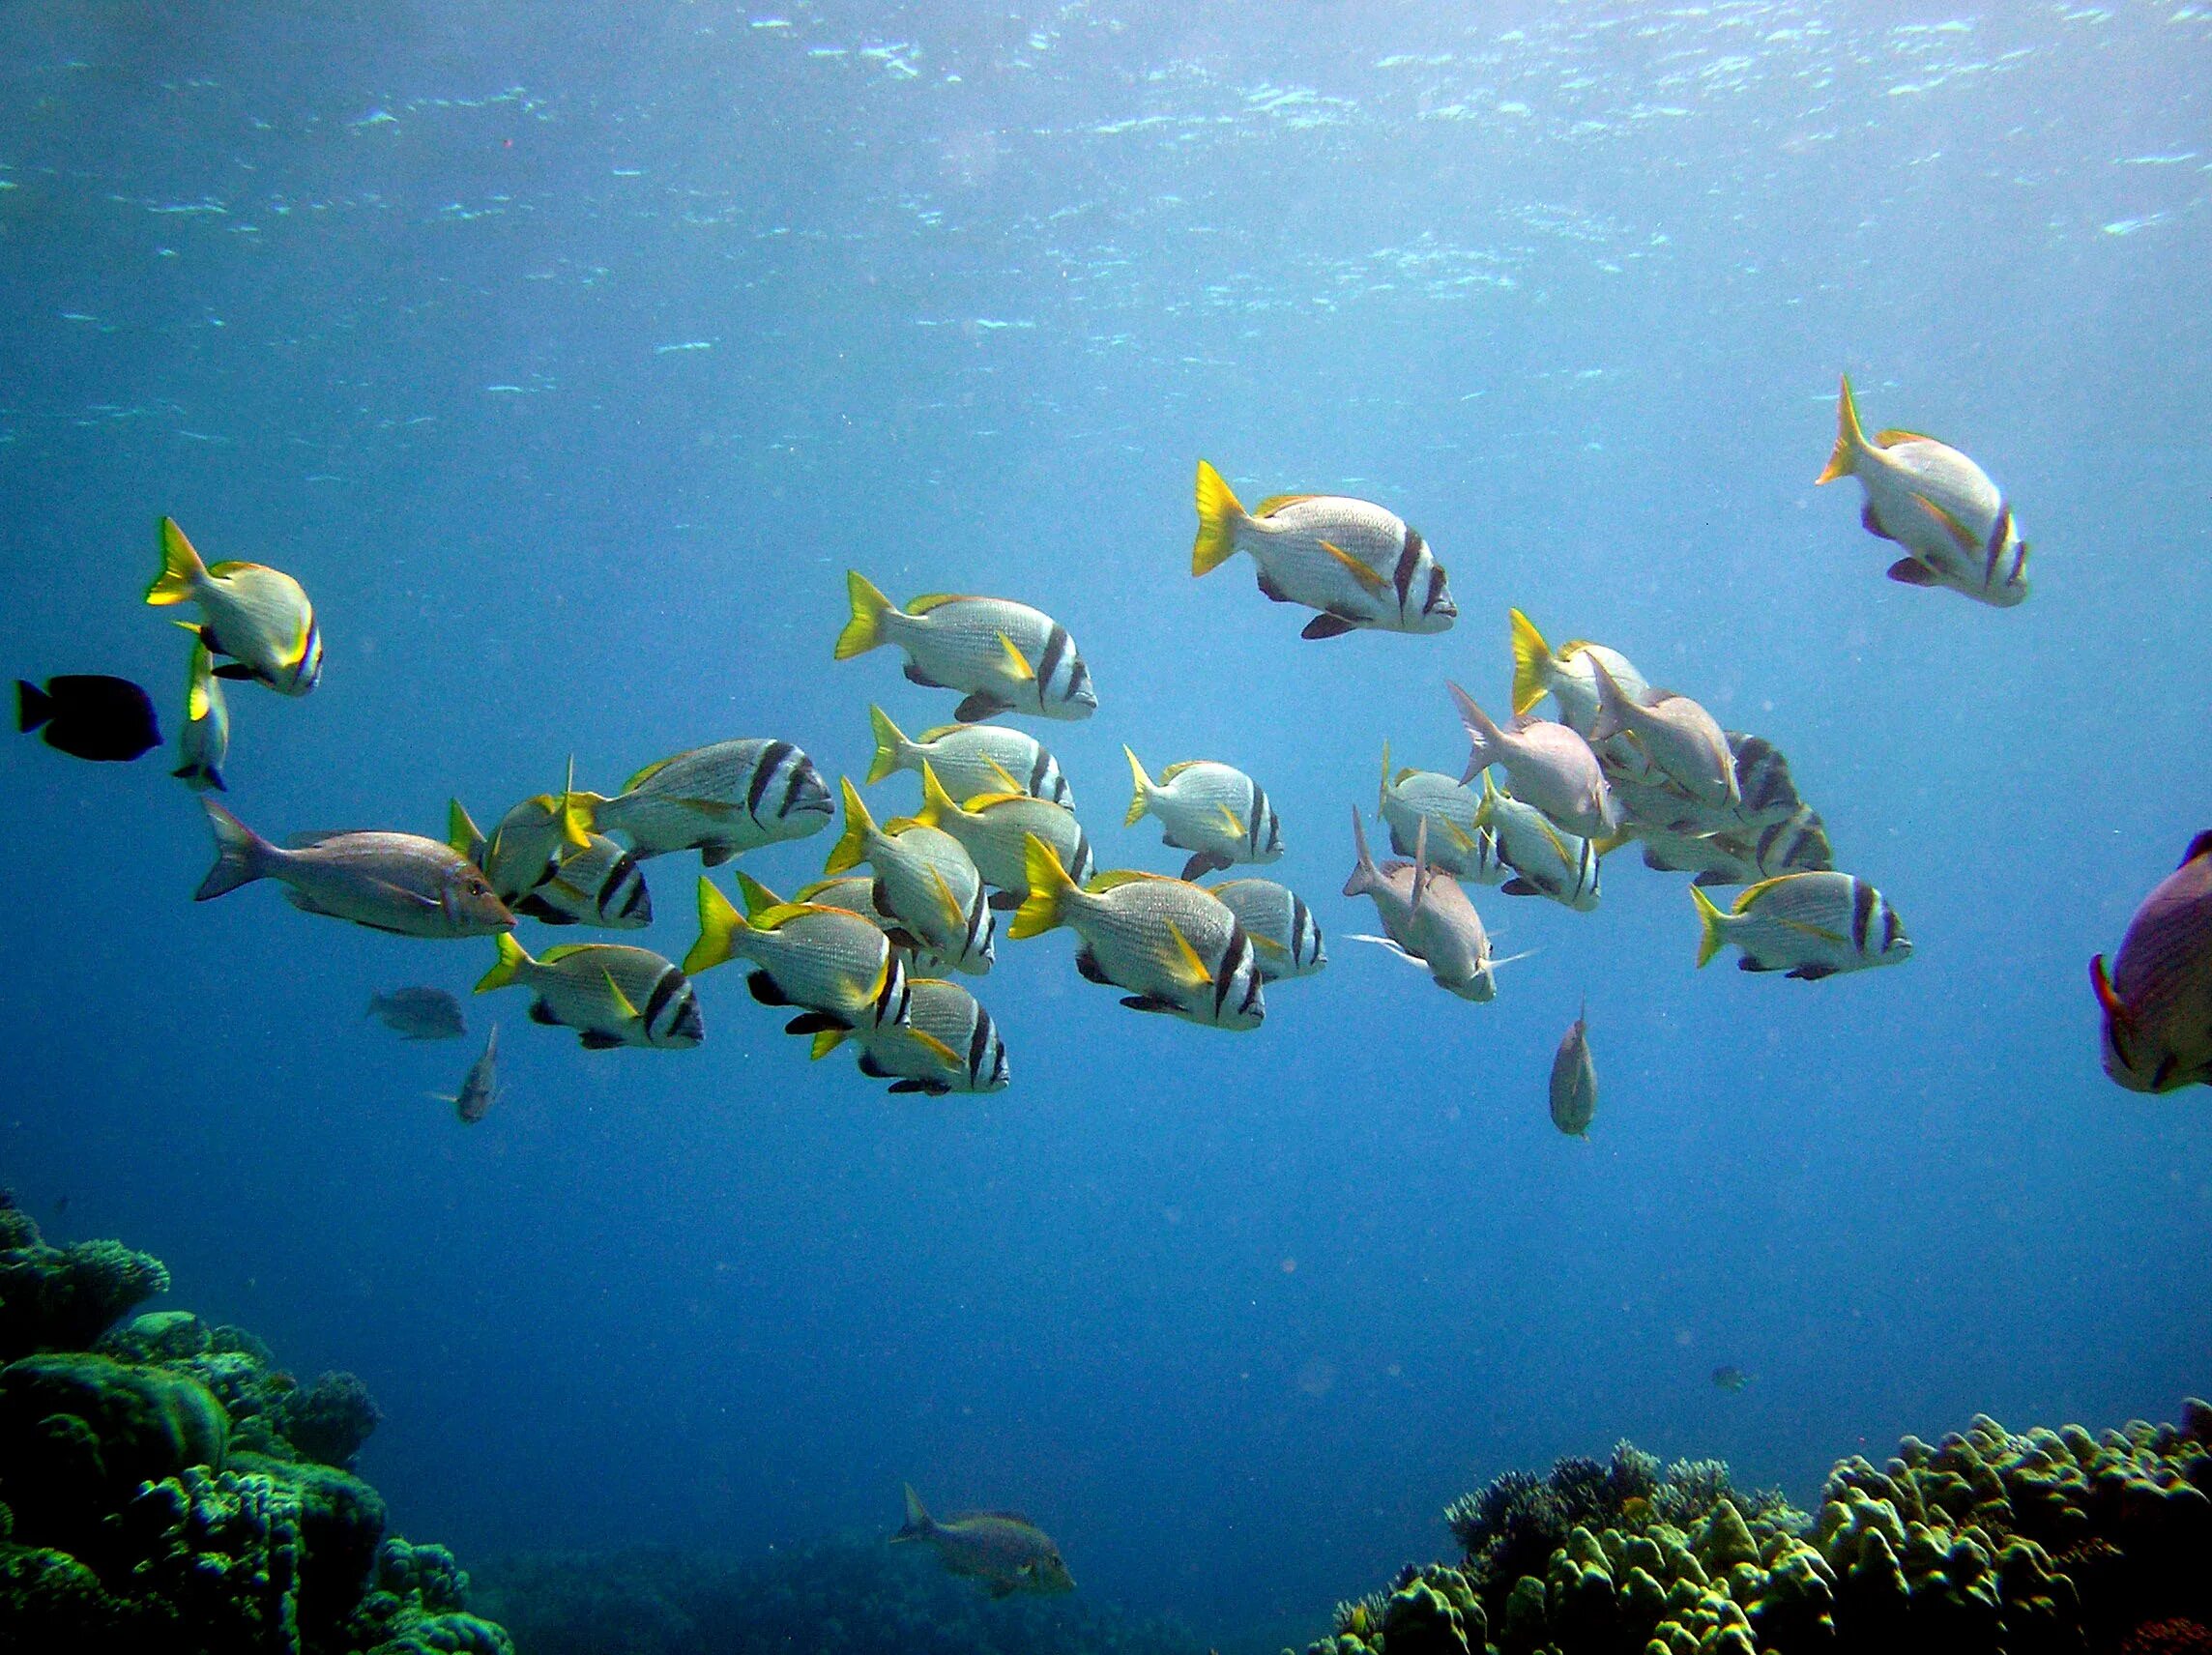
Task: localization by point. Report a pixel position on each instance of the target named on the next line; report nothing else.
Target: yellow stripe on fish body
(948, 1044)
(1355, 560)
(1214, 810)
(971, 759)
(258, 616)
(1176, 947)
(1546, 860)
(927, 882)
(203, 740)
(1458, 842)
(992, 828)
(611, 994)
(1812, 925)
(1003, 656)
(720, 799)
(1283, 929)
(1937, 504)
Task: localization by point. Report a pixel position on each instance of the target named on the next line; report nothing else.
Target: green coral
(61, 1298)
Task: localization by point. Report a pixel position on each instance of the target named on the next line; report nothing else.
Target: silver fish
(1003, 656)
(1217, 812)
(1550, 765)
(971, 759)
(1812, 925)
(599, 885)
(948, 1044)
(388, 882)
(806, 954)
(480, 1086)
(1543, 859)
(857, 892)
(720, 801)
(610, 993)
(925, 880)
(1283, 929)
(1358, 563)
(1798, 845)
(1457, 843)
(1570, 676)
(203, 740)
(1001, 1549)
(1683, 742)
(2158, 999)
(1427, 917)
(1574, 1080)
(258, 616)
(993, 827)
(418, 1013)
(520, 851)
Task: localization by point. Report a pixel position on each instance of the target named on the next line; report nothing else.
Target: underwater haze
(570, 355)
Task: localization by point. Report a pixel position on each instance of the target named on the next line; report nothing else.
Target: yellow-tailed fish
(203, 740)
(1358, 563)
(857, 892)
(1286, 937)
(806, 954)
(925, 880)
(1175, 948)
(388, 882)
(609, 992)
(971, 759)
(1217, 812)
(1003, 656)
(720, 801)
(257, 616)
(1810, 926)
(1550, 765)
(1683, 742)
(948, 1044)
(2158, 999)
(1001, 1549)
(1574, 1080)
(1568, 675)
(520, 854)
(1457, 844)
(993, 828)
(1797, 844)
(1544, 859)
(1426, 917)
(1955, 528)
(599, 885)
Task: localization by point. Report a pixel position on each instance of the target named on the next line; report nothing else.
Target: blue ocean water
(571, 356)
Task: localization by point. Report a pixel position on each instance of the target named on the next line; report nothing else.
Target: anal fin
(1326, 625)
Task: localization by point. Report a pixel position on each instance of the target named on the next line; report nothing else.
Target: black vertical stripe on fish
(1999, 532)
(1408, 560)
(1862, 913)
(1435, 589)
(1249, 965)
(1300, 917)
(2019, 561)
(978, 1044)
(1056, 646)
(777, 753)
(664, 988)
(800, 773)
(1225, 974)
(1258, 817)
(1082, 869)
(1037, 771)
(1889, 928)
(893, 998)
(625, 867)
(1766, 841)
(980, 924)
(638, 900)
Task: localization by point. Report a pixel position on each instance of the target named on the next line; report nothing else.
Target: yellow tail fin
(1710, 916)
(852, 849)
(1143, 785)
(890, 742)
(508, 968)
(718, 926)
(1531, 663)
(1049, 887)
(1850, 439)
(1218, 515)
(182, 570)
(865, 631)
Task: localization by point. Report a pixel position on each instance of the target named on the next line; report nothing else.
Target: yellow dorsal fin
(461, 833)
(1100, 884)
(936, 1048)
(1751, 893)
(1949, 524)
(622, 1000)
(1178, 768)
(552, 955)
(759, 899)
(939, 733)
(929, 600)
(784, 913)
(1275, 503)
(1187, 967)
(1016, 663)
(649, 772)
(982, 801)
(1896, 434)
(1359, 571)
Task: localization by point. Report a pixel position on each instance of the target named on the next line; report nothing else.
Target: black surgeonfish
(90, 715)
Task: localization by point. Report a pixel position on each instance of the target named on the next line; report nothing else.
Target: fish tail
(1043, 909)
(719, 925)
(1142, 790)
(1363, 872)
(182, 571)
(890, 743)
(918, 1521)
(852, 849)
(33, 705)
(241, 855)
(1486, 742)
(201, 773)
(1531, 663)
(1851, 441)
(1219, 512)
(1713, 920)
(507, 969)
(865, 631)
(1383, 788)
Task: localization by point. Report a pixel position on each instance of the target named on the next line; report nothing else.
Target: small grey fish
(418, 1013)
(1574, 1080)
(389, 882)
(1001, 1549)
(1730, 1377)
(480, 1086)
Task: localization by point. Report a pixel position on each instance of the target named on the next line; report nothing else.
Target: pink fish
(2158, 1000)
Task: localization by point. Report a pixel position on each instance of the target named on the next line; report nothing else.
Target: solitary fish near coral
(1001, 1549)
(2158, 1000)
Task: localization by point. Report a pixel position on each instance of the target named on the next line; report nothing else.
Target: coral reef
(850, 1596)
(166, 1488)
(2049, 1543)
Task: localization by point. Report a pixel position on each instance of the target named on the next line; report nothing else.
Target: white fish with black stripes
(1361, 564)
(926, 883)
(806, 955)
(858, 893)
(993, 828)
(1568, 675)
(257, 616)
(1810, 926)
(1550, 765)
(1175, 947)
(203, 740)
(1283, 929)
(1795, 845)
(1956, 526)
(1002, 655)
(1427, 917)
(600, 885)
(611, 994)
(1543, 858)
(1217, 812)
(971, 759)
(1458, 842)
(948, 1044)
(722, 800)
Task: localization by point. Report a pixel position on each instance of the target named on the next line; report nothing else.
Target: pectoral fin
(1911, 571)
(1326, 625)
(1186, 966)
(1353, 567)
(1018, 667)
(1967, 544)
